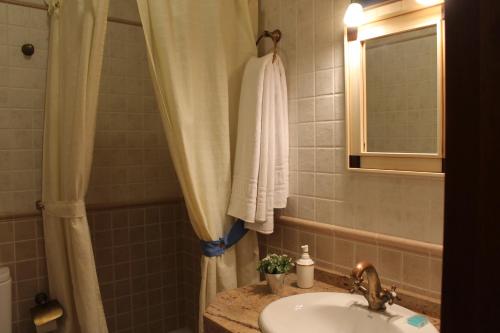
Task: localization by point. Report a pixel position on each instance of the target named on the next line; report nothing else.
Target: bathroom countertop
(237, 310)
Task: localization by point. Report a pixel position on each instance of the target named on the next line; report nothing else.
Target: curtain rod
(44, 7)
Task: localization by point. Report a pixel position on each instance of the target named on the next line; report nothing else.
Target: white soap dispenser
(305, 269)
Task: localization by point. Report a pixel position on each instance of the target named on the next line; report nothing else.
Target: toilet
(5, 301)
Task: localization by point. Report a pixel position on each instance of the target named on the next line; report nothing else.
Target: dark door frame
(471, 260)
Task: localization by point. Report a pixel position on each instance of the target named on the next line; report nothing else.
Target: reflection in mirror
(402, 92)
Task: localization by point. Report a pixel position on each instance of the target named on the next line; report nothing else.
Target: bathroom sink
(329, 312)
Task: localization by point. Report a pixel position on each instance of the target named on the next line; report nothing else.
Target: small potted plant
(275, 267)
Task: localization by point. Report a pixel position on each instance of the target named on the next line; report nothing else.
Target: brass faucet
(374, 294)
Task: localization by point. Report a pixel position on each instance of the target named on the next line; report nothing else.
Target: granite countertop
(238, 310)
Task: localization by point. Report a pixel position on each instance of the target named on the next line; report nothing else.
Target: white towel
(282, 141)
(260, 178)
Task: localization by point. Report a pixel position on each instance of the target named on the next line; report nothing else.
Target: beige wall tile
(324, 108)
(324, 82)
(323, 34)
(390, 264)
(325, 160)
(343, 252)
(416, 270)
(324, 134)
(366, 252)
(338, 84)
(293, 179)
(306, 183)
(343, 214)
(16, 160)
(306, 159)
(6, 232)
(307, 238)
(276, 238)
(305, 86)
(290, 239)
(306, 135)
(436, 267)
(305, 111)
(26, 270)
(305, 37)
(306, 208)
(26, 250)
(325, 211)
(339, 106)
(340, 160)
(26, 289)
(6, 253)
(292, 206)
(25, 230)
(325, 186)
(324, 248)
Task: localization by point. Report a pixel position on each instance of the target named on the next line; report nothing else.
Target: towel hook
(275, 36)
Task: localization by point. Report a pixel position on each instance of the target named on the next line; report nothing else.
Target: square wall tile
(324, 82)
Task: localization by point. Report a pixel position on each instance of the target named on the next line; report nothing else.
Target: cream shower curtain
(197, 51)
(77, 33)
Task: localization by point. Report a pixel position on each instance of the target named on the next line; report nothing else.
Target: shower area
(147, 256)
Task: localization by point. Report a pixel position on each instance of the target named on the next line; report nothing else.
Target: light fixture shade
(428, 2)
(354, 15)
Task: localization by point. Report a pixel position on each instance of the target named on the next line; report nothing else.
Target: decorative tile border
(93, 208)
(404, 244)
(414, 267)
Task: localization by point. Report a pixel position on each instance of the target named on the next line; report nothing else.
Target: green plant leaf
(275, 264)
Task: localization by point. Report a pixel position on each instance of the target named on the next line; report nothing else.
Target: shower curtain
(77, 33)
(197, 51)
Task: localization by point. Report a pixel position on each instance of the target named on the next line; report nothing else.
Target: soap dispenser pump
(305, 269)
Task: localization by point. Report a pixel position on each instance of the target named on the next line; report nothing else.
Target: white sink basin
(334, 313)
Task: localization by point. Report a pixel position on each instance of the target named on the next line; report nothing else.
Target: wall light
(353, 18)
(428, 2)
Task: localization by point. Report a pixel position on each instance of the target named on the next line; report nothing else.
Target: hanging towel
(260, 177)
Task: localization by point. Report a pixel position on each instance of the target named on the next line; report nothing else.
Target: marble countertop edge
(238, 310)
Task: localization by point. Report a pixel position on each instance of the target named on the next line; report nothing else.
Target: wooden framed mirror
(394, 90)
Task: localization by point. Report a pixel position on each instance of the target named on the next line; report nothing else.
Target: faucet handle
(357, 280)
(391, 295)
(356, 283)
(357, 286)
(393, 291)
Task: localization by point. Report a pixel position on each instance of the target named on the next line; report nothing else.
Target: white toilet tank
(5, 301)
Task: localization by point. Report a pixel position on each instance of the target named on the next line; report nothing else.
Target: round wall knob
(28, 49)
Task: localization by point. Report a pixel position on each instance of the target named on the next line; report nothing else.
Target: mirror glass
(402, 92)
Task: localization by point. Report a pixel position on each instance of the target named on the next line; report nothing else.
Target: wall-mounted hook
(28, 50)
(275, 36)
